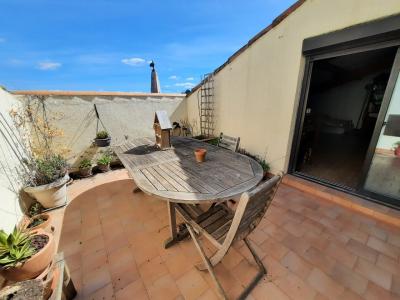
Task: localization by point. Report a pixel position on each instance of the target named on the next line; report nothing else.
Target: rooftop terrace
(312, 248)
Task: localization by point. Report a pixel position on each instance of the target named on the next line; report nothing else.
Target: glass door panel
(383, 176)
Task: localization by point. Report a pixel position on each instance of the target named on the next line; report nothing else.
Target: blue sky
(105, 45)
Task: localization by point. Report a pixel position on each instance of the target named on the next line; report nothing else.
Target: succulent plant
(15, 247)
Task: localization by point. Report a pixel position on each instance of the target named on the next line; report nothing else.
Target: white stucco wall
(124, 117)
(10, 211)
(256, 94)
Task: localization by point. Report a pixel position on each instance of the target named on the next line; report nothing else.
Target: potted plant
(104, 162)
(25, 254)
(265, 166)
(397, 149)
(47, 182)
(85, 168)
(200, 154)
(102, 139)
(41, 221)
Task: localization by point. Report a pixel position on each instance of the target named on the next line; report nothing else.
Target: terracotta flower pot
(44, 225)
(50, 195)
(200, 154)
(397, 151)
(104, 168)
(34, 265)
(85, 172)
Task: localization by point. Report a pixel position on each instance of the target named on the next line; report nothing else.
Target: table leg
(172, 226)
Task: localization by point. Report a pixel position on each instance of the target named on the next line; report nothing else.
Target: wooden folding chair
(228, 142)
(222, 227)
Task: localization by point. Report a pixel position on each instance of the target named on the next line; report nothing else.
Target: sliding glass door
(383, 166)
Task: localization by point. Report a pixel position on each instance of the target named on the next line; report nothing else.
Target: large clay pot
(200, 154)
(35, 265)
(397, 151)
(50, 195)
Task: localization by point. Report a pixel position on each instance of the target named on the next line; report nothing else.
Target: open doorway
(344, 100)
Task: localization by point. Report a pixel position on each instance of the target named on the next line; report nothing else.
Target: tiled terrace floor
(313, 249)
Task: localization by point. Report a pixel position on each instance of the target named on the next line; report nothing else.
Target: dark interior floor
(337, 158)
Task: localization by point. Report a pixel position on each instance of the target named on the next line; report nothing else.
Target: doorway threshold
(377, 211)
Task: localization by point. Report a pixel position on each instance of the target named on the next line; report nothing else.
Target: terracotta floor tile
(90, 232)
(164, 288)
(152, 270)
(298, 245)
(346, 276)
(274, 248)
(350, 295)
(341, 254)
(94, 261)
(208, 295)
(104, 293)
(295, 287)
(275, 269)
(372, 272)
(135, 289)
(232, 259)
(192, 284)
(74, 262)
(177, 265)
(325, 284)
(319, 259)
(396, 285)
(389, 264)
(268, 291)
(94, 280)
(296, 264)
(362, 250)
(119, 240)
(124, 275)
(144, 252)
(93, 245)
(383, 247)
(245, 272)
(375, 292)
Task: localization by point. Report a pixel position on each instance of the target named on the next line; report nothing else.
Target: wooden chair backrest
(251, 208)
(228, 142)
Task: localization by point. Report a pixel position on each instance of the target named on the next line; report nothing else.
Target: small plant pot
(85, 172)
(44, 225)
(200, 155)
(34, 265)
(104, 168)
(50, 195)
(102, 142)
(397, 151)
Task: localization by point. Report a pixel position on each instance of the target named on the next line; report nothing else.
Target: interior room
(343, 104)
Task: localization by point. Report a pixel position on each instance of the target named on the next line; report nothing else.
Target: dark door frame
(374, 35)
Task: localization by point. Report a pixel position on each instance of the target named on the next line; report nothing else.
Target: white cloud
(190, 78)
(187, 85)
(173, 77)
(134, 61)
(49, 65)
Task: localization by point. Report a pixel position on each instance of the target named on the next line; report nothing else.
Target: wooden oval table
(175, 176)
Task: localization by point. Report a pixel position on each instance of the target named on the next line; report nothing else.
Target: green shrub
(50, 169)
(102, 135)
(15, 247)
(105, 159)
(85, 163)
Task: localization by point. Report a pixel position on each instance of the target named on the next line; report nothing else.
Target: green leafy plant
(50, 169)
(105, 159)
(35, 209)
(15, 247)
(264, 164)
(102, 135)
(85, 163)
(213, 141)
